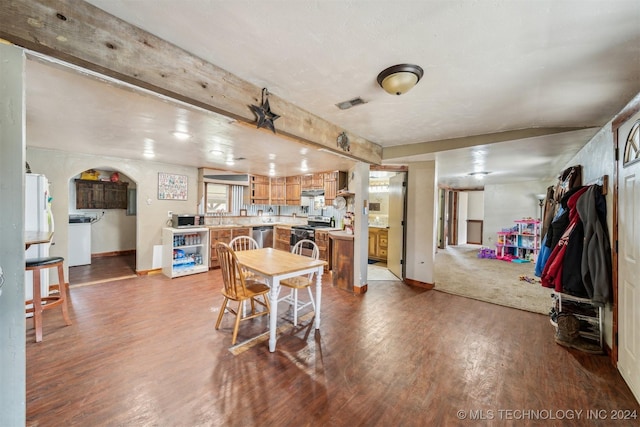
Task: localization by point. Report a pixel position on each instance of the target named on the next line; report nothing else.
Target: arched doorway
(102, 226)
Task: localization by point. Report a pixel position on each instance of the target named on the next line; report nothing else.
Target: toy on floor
(487, 253)
(527, 279)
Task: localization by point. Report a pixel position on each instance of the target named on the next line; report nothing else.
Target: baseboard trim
(359, 290)
(417, 284)
(149, 272)
(114, 253)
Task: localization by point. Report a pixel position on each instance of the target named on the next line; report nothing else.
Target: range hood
(224, 177)
(311, 193)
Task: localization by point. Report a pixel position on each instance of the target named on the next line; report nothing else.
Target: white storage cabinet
(185, 251)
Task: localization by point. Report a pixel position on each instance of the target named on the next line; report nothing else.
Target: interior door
(396, 220)
(628, 254)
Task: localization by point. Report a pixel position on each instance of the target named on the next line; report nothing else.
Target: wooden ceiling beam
(84, 35)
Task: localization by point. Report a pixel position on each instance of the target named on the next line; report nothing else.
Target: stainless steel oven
(301, 232)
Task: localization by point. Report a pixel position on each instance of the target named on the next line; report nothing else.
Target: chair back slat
(306, 247)
(232, 275)
(243, 243)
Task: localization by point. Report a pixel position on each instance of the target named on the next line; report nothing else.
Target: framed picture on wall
(172, 186)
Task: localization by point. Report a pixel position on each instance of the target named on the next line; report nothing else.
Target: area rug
(378, 273)
(459, 271)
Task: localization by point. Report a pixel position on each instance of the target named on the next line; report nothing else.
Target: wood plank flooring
(144, 352)
(103, 269)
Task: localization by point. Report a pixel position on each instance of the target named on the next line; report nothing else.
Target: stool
(40, 303)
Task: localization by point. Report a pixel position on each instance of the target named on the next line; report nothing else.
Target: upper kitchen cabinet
(91, 194)
(312, 181)
(293, 191)
(260, 190)
(278, 191)
(333, 182)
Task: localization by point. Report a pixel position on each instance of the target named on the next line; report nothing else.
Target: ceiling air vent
(350, 103)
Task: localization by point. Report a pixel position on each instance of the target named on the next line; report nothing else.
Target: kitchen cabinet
(259, 190)
(321, 237)
(342, 259)
(283, 238)
(378, 243)
(223, 235)
(217, 235)
(185, 251)
(91, 194)
(278, 191)
(292, 191)
(312, 181)
(333, 182)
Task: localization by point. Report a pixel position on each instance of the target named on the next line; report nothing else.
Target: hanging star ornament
(264, 115)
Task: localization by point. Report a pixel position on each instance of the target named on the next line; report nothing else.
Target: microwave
(187, 220)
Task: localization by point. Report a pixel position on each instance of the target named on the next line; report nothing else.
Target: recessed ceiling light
(181, 135)
(216, 152)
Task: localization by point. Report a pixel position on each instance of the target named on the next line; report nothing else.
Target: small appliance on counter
(187, 220)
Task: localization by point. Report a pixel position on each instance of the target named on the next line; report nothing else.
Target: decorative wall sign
(343, 142)
(264, 115)
(172, 186)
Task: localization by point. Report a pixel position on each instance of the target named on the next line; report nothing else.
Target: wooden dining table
(275, 265)
(36, 237)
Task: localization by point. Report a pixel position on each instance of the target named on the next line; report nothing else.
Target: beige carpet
(459, 271)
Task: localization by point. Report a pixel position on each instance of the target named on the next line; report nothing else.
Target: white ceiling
(490, 66)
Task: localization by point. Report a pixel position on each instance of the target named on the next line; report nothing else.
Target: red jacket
(552, 273)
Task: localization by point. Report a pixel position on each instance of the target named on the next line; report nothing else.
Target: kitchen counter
(341, 234)
(251, 225)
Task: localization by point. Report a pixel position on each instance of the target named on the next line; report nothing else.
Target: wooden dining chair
(239, 289)
(308, 248)
(243, 243)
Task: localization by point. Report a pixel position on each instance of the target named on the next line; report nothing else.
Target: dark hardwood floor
(144, 352)
(103, 269)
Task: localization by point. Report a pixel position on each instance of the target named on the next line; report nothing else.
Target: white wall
(463, 215)
(61, 166)
(12, 253)
(475, 208)
(421, 221)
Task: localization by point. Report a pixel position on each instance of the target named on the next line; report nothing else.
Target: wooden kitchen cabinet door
(89, 194)
(322, 241)
(293, 190)
(260, 190)
(278, 191)
(115, 195)
(217, 235)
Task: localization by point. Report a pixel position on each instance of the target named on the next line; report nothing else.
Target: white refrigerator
(38, 217)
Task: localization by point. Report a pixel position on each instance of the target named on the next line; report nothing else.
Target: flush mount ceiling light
(400, 78)
(479, 175)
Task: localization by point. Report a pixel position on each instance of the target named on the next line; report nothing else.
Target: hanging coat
(596, 256)
(545, 250)
(552, 273)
